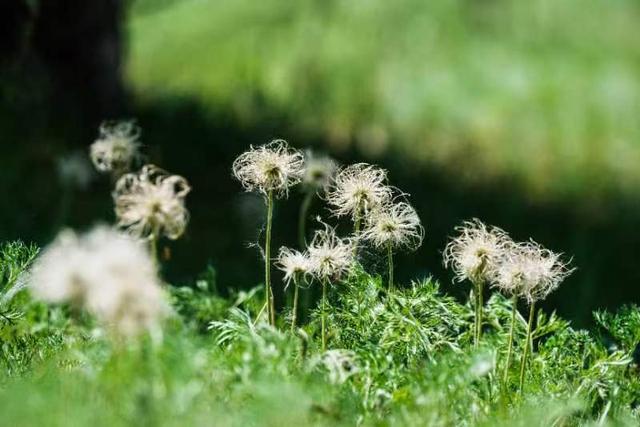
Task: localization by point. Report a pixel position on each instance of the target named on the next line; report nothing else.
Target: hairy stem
(507, 365)
(528, 344)
(324, 315)
(302, 219)
(390, 258)
(267, 261)
(294, 314)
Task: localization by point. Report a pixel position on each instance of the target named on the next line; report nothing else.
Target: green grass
(404, 358)
(543, 92)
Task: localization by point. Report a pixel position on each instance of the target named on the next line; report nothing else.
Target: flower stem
(295, 305)
(302, 219)
(153, 246)
(477, 333)
(507, 365)
(527, 345)
(390, 258)
(324, 315)
(267, 261)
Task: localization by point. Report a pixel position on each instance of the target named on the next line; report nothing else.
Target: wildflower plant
(332, 259)
(474, 255)
(357, 190)
(151, 204)
(271, 170)
(530, 272)
(318, 173)
(297, 266)
(116, 148)
(392, 227)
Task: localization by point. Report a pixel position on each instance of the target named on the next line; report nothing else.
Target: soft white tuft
(357, 189)
(152, 202)
(530, 271)
(295, 265)
(395, 224)
(116, 148)
(274, 167)
(105, 272)
(332, 257)
(318, 172)
(475, 253)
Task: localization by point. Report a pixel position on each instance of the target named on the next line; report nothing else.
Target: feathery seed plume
(116, 148)
(318, 172)
(294, 264)
(531, 271)
(476, 252)
(357, 189)
(105, 272)
(331, 256)
(152, 202)
(394, 224)
(274, 167)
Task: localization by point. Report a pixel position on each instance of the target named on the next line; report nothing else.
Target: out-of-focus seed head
(152, 201)
(358, 189)
(116, 148)
(395, 224)
(475, 253)
(318, 171)
(274, 167)
(105, 272)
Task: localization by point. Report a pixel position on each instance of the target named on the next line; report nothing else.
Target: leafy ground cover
(400, 357)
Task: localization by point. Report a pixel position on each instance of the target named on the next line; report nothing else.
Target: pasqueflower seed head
(152, 202)
(357, 189)
(395, 224)
(116, 147)
(475, 253)
(332, 257)
(295, 265)
(274, 167)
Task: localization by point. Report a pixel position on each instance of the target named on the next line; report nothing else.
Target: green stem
(324, 315)
(302, 219)
(480, 310)
(295, 306)
(527, 345)
(390, 258)
(356, 228)
(514, 310)
(267, 261)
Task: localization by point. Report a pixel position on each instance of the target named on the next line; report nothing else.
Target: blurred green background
(524, 114)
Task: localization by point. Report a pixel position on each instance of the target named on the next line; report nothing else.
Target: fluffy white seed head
(318, 171)
(332, 257)
(274, 167)
(357, 189)
(395, 224)
(116, 147)
(296, 265)
(152, 201)
(105, 272)
(530, 271)
(475, 253)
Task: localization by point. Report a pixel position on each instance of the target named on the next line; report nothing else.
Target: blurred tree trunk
(64, 56)
(80, 43)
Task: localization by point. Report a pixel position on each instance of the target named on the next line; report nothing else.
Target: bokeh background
(524, 114)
